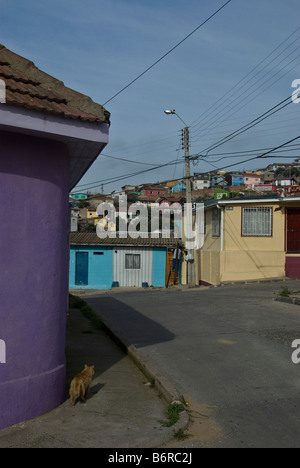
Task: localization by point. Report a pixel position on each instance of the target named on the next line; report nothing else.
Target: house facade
(236, 179)
(178, 188)
(218, 181)
(201, 181)
(50, 135)
(121, 262)
(250, 239)
(251, 179)
(285, 182)
(79, 196)
(153, 190)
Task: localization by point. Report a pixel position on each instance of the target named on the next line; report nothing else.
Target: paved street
(226, 349)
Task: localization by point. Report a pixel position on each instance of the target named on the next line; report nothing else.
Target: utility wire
(243, 100)
(264, 155)
(238, 153)
(250, 125)
(239, 85)
(125, 176)
(127, 160)
(167, 53)
(117, 178)
(199, 155)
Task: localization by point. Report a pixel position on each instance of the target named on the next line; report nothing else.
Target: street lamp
(190, 269)
(186, 154)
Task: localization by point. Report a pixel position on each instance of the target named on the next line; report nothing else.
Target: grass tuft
(172, 414)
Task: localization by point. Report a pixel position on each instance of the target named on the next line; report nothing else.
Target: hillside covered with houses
(277, 180)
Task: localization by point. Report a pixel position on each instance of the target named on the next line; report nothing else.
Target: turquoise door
(82, 268)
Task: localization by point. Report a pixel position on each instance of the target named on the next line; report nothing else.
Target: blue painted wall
(159, 268)
(100, 267)
(237, 180)
(178, 188)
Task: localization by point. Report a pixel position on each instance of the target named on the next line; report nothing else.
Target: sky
(228, 73)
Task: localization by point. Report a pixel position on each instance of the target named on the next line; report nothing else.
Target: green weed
(172, 414)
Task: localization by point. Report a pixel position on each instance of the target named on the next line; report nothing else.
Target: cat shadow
(93, 391)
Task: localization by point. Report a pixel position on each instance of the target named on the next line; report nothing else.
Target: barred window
(132, 262)
(257, 222)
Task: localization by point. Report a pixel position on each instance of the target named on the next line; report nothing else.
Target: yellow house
(88, 213)
(247, 239)
(171, 183)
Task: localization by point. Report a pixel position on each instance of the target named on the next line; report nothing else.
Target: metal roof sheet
(91, 238)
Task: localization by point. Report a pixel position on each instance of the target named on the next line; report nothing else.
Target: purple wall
(34, 253)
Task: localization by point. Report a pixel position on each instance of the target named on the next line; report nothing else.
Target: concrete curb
(252, 281)
(163, 386)
(289, 300)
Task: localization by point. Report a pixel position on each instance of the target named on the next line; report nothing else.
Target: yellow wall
(242, 258)
(207, 268)
(233, 239)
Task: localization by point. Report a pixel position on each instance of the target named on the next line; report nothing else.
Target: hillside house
(153, 191)
(285, 182)
(50, 135)
(130, 189)
(178, 188)
(251, 179)
(235, 179)
(218, 181)
(79, 196)
(201, 181)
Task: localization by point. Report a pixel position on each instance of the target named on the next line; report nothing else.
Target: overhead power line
(242, 83)
(167, 53)
(111, 180)
(263, 155)
(128, 160)
(250, 125)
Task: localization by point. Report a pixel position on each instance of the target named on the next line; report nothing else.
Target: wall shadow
(128, 322)
(87, 345)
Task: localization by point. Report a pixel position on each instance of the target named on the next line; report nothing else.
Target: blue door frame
(82, 268)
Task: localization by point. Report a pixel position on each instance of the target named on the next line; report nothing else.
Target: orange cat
(81, 383)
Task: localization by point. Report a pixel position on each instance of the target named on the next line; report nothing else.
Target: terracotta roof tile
(29, 87)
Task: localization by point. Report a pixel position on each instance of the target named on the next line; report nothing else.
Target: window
(257, 222)
(132, 262)
(216, 222)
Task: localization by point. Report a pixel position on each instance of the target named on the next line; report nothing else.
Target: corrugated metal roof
(91, 238)
(29, 87)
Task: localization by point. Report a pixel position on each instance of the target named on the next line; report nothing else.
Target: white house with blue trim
(97, 263)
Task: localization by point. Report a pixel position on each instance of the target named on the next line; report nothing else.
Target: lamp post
(186, 145)
(186, 155)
